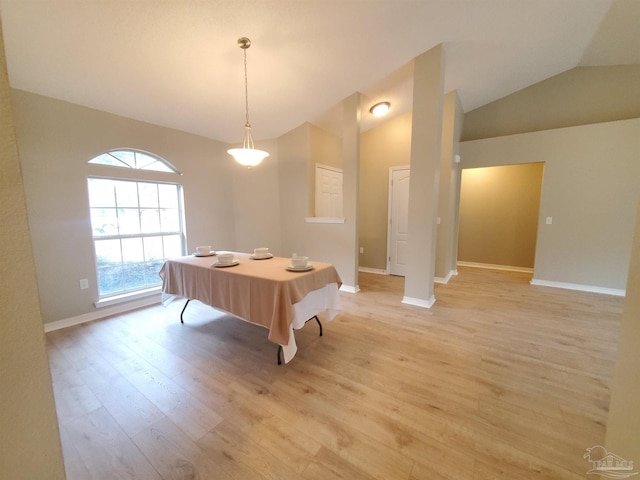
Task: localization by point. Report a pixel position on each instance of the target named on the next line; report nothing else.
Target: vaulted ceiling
(177, 64)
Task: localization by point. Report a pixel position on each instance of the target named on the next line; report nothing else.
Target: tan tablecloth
(260, 291)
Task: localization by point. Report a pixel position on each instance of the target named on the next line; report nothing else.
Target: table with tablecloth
(262, 292)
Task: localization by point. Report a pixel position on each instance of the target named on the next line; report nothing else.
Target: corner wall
(590, 189)
(56, 139)
(623, 423)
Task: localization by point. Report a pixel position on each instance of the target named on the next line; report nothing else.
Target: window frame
(181, 233)
(137, 176)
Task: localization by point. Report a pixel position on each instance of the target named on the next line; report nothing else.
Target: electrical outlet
(549, 220)
(84, 284)
(361, 249)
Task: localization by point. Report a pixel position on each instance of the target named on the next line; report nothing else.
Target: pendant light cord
(246, 88)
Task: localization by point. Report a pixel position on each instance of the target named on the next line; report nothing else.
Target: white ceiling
(177, 64)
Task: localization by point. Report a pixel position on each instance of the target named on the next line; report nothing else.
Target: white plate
(210, 254)
(261, 257)
(221, 265)
(291, 268)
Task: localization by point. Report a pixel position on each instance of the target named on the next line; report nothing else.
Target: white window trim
(127, 297)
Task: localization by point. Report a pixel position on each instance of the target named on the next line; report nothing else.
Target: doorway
(498, 221)
(398, 225)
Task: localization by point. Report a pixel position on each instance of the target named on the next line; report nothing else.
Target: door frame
(390, 212)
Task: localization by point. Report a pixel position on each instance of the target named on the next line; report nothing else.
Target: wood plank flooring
(498, 380)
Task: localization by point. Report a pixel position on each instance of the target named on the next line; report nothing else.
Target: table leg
(280, 353)
(184, 308)
(317, 320)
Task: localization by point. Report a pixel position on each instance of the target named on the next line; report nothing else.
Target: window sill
(127, 297)
(325, 220)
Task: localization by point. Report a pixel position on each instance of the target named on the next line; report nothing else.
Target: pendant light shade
(247, 155)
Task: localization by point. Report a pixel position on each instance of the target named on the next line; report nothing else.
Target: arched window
(135, 159)
(137, 223)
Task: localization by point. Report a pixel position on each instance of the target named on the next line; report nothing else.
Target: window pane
(133, 274)
(109, 260)
(134, 159)
(148, 195)
(104, 221)
(150, 220)
(132, 250)
(170, 220)
(154, 259)
(158, 167)
(110, 279)
(108, 252)
(168, 196)
(101, 193)
(126, 193)
(153, 248)
(126, 156)
(129, 221)
(107, 159)
(172, 246)
(129, 211)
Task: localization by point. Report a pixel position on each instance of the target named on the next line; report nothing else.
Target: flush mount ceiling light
(380, 109)
(247, 155)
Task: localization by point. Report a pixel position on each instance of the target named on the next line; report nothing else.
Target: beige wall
(499, 214)
(321, 241)
(56, 139)
(256, 203)
(590, 189)
(326, 149)
(623, 423)
(389, 145)
(580, 96)
(381, 148)
(28, 426)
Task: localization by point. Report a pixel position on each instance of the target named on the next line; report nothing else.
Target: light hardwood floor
(498, 380)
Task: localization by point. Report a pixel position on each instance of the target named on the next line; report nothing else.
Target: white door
(328, 191)
(398, 220)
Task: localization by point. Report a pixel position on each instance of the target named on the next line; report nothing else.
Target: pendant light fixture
(247, 155)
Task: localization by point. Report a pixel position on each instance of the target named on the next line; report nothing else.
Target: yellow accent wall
(499, 214)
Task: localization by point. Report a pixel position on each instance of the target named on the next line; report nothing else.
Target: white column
(426, 137)
(351, 179)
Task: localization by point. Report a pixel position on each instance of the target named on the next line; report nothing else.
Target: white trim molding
(102, 313)
(350, 288)
(418, 302)
(491, 266)
(447, 278)
(379, 271)
(583, 288)
(325, 220)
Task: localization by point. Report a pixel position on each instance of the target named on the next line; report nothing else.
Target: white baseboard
(102, 313)
(418, 302)
(350, 288)
(583, 288)
(447, 278)
(491, 266)
(379, 271)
